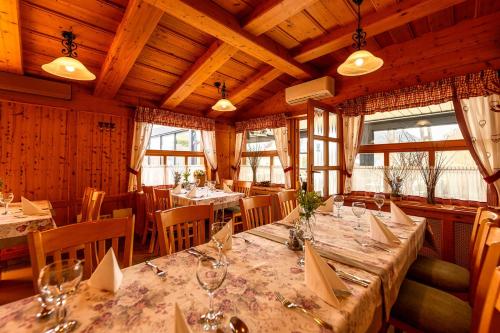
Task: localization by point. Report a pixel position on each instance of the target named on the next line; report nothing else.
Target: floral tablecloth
(145, 303)
(16, 224)
(219, 198)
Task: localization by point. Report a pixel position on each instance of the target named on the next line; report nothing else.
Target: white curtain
(140, 142)
(238, 149)
(352, 136)
(210, 150)
(482, 118)
(281, 139)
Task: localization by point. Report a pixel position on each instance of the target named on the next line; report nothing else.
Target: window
(260, 152)
(171, 149)
(432, 131)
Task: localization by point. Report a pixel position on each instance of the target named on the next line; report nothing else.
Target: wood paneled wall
(52, 149)
(225, 136)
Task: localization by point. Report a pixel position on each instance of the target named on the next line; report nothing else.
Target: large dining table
(258, 267)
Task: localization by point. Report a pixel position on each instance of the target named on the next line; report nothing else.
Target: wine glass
(379, 201)
(358, 209)
(338, 201)
(6, 198)
(305, 234)
(56, 282)
(219, 238)
(210, 276)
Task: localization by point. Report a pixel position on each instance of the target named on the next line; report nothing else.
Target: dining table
(259, 265)
(15, 225)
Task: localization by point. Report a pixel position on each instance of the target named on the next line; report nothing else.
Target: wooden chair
(163, 199)
(242, 187)
(489, 321)
(228, 182)
(235, 212)
(256, 211)
(65, 241)
(95, 205)
(447, 276)
(86, 205)
(183, 227)
(149, 224)
(420, 308)
(287, 200)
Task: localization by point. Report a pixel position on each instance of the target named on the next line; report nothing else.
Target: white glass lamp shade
(223, 105)
(69, 68)
(359, 63)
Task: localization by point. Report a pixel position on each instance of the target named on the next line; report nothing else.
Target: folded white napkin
(226, 188)
(327, 207)
(177, 189)
(179, 322)
(321, 279)
(223, 233)
(380, 233)
(29, 208)
(292, 217)
(193, 193)
(107, 275)
(398, 216)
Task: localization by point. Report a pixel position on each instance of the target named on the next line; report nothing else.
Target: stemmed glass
(5, 199)
(219, 238)
(56, 282)
(210, 276)
(379, 201)
(358, 209)
(305, 234)
(338, 201)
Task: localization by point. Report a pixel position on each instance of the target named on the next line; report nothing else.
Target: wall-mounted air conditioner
(314, 89)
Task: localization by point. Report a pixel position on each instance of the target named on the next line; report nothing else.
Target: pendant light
(67, 66)
(359, 62)
(223, 104)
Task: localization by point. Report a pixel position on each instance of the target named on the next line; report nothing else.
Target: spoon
(156, 269)
(237, 325)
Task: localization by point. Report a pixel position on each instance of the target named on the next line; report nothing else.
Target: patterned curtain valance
(168, 118)
(272, 121)
(483, 83)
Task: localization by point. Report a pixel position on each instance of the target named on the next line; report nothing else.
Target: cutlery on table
(290, 305)
(197, 253)
(350, 277)
(363, 244)
(159, 272)
(241, 237)
(237, 325)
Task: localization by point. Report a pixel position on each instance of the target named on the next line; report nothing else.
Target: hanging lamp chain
(221, 88)
(359, 37)
(69, 45)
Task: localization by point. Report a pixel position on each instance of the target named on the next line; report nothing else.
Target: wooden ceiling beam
(373, 24)
(10, 37)
(138, 23)
(212, 19)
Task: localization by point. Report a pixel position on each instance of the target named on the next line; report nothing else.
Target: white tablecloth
(219, 198)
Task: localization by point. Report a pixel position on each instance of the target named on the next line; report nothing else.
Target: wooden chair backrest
(491, 260)
(480, 246)
(123, 212)
(481, 214)
(256, 211)
(163, 199)
(182, 227)
(95, 205)
(86, 201)
(242, 187)
(94, 237)
(489, 320)
(149, 199)
(287, 200)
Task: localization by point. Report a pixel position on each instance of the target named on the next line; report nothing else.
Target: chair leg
(145, 232)
(152, 241)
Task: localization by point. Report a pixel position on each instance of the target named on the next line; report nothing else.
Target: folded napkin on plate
(292, 217)
(225, 233)
(321, 279)
(179, 322)
(107, 275)
(30, 208)
(398, 216)
(380, 233)
(193, 193)
(226, 188)
(327, 206)
(177, 189)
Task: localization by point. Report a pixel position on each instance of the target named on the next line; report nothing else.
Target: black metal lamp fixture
(361, 61)
(223, 104)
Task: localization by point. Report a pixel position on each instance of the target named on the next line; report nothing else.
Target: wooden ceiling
(170, 52)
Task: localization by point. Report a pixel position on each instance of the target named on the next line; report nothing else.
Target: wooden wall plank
(10, 37)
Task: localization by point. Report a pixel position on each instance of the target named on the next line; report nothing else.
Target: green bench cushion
(235, 209)
(431, 310)
(440, 274)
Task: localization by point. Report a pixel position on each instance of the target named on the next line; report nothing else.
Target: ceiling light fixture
(67, 66)
(360, 62)
(223, 104)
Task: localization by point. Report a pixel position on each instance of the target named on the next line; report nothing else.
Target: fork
(159, 272)
(349, 277)
(363, 244)
(199, 253)
(246, 240)
(290, 305)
